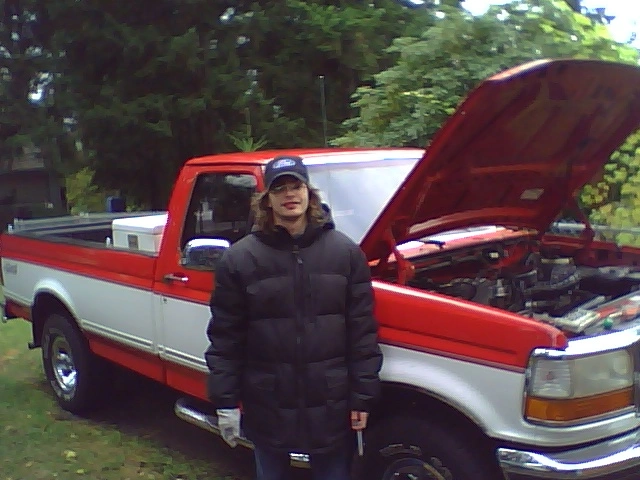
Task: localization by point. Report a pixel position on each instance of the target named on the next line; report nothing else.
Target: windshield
(358, 186)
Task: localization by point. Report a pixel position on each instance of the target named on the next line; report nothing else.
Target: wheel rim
(64, 369)
(412, 469)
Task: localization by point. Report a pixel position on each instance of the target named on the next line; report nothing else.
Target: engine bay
(524, 277)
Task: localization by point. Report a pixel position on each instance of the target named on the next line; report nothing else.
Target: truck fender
(55, 288)
(49, 295)
(466, 387)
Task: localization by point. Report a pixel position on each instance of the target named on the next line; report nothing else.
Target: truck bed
(70, 254)
(89, 229)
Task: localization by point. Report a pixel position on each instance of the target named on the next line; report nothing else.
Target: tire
(71, 369)
(404, 447)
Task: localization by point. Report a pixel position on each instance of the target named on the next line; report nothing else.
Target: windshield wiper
(431, 241)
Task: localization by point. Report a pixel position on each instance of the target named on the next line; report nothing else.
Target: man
(292, 332)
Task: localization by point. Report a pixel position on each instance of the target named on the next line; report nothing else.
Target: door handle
(172, 277)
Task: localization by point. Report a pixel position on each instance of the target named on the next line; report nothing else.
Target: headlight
(570, 390)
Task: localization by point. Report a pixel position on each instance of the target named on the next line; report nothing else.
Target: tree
(29, 118)
(303, 51)
(83, 195)
(140, 91)
(155, 82)
(614, 198)
(575, 5)
(435, 70)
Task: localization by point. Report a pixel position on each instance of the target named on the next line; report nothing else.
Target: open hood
(515, 151)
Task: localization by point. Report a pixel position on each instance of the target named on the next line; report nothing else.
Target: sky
(627, 13)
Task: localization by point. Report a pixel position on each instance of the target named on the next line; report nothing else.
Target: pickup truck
(509, 351)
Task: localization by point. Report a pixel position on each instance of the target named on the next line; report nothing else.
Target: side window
(219, 209)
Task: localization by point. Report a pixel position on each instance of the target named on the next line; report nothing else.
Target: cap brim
(295, 175)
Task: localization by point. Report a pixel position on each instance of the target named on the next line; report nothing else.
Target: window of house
(220, 207)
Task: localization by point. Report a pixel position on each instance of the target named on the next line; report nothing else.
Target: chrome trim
(172, 277)
(583, 347)
(22, 301)
(63, 366)
(596, 461)
(184, 359)
(191, 415)
(203, 253)
(118, 336)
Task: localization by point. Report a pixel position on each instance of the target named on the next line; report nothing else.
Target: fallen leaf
(9, 355)
(70, 454)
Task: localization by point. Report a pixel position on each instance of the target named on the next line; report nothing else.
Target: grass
(136, 436)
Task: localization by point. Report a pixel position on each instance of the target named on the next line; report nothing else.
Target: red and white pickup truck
(507, 350)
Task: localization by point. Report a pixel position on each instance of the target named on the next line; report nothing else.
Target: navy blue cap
(283, 165)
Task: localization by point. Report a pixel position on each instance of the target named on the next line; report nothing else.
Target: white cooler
(142, 234)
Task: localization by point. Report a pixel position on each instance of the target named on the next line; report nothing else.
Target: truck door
(217, 201)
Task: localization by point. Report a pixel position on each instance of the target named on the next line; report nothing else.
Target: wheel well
(45, 304)
(397, 398)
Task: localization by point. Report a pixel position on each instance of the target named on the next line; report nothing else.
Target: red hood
(515, 150)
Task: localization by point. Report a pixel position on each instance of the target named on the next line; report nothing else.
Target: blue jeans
(275, 466)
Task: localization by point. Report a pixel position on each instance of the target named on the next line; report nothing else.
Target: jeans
(275, 465)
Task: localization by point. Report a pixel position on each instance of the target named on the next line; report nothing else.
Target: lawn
(136, 436)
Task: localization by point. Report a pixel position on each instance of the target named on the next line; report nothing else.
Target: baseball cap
(285, 165)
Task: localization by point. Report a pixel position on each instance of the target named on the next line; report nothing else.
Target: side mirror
(203, 253)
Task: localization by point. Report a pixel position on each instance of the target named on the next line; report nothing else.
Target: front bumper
(614, 459)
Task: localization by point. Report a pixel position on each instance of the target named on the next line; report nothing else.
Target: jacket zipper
(299, 296)
(299, 306)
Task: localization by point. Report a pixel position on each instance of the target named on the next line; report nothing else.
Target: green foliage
(153, 83)
(438, 68)
(244, 141)
(83, 196)
(247, 143)
(26, 65)
(295, 42)
(614, 197)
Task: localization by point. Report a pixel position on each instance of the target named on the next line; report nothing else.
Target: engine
(549, 288)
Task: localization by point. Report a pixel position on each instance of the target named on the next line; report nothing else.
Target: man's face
(288, 198)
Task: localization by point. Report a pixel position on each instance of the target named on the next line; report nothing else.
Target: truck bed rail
(71, 223)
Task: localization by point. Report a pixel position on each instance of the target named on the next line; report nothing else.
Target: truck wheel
(409, 448)
(70, 367)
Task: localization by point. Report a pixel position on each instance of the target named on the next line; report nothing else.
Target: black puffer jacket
(293, 338)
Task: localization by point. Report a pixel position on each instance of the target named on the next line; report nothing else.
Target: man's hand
(359, 420)
(229, 424)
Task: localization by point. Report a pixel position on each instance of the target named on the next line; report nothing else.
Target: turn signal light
(571, 409)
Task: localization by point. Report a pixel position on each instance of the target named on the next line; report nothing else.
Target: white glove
(229, 424)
